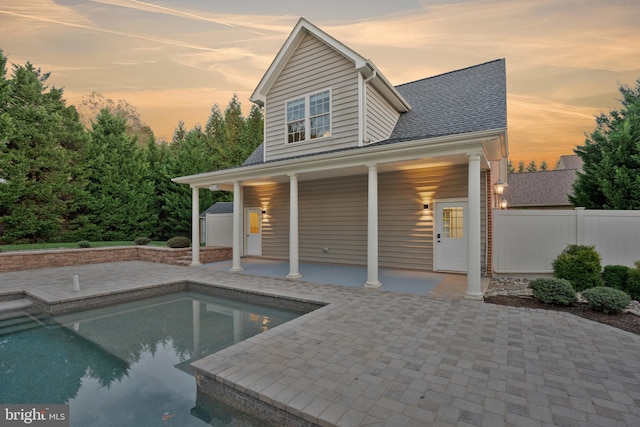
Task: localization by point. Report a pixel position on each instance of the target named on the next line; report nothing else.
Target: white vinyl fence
(527, 241)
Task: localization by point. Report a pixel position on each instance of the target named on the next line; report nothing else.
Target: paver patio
(372, 357)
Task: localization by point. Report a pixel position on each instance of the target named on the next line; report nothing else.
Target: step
(13, 305)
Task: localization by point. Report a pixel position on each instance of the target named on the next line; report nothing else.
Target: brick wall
(27, 260)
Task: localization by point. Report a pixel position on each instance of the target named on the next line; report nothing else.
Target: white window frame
(307, 117)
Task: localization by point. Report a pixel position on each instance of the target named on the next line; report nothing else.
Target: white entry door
(451, 236)
(254, 232)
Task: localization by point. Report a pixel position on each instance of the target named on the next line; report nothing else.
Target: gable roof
(472, 99)
(218, 208)
(363, 65)
(540, 189)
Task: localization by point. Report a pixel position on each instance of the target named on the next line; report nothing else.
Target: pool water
(129, 365)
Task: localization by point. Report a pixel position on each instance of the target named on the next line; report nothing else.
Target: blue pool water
(129, 365)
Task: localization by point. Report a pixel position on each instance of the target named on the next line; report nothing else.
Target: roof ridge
(451, 72)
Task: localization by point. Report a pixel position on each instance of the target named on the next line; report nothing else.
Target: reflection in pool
(129, 364)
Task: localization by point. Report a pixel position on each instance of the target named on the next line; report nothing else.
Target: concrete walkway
(371, 357)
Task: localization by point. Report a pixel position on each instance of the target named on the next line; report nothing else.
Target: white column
(195, 226)
(372, 230)
(294, 271)
(474, 252)
(237, 226)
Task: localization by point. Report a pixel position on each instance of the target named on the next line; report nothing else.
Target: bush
(633, 284)
(84, 244)
(553, 291)
(141, 241)
(179, 242)
(580, 265)
(607, 300)
(615, 276)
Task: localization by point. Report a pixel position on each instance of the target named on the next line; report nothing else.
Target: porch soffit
(447, 151)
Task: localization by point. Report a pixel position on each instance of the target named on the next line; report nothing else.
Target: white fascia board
(302, 28)
(385, 153)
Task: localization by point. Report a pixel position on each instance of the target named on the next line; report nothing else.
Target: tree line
(62, 180)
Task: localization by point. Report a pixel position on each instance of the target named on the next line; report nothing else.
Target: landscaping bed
(515, 292)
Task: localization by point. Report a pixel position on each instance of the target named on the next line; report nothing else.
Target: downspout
(365, 136)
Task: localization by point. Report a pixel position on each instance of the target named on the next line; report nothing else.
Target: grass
(72, 245)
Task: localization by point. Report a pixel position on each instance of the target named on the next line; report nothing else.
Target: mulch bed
(624, 321)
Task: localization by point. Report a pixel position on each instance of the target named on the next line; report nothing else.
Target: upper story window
(309, 117)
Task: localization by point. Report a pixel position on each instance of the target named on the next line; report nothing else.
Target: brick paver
(384, 358)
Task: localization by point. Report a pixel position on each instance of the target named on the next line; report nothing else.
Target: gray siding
(313, 67)
(381, 116)
(333, 215)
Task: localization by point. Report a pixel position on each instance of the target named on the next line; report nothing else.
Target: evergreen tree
(611, 154)
(41, 141)
(122, 202)
(544, 166)
(190, 156)
(532, 167)
(520, 166)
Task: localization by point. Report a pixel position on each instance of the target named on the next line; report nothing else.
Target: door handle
(438, 237)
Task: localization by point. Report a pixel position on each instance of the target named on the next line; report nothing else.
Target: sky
(173, 59)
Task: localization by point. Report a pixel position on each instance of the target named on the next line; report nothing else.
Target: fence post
(579, 225)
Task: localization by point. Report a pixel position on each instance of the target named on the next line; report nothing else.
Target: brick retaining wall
(28, 260)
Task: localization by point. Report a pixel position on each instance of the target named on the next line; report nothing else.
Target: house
(355, 170)
(543, 189)
(216, 225)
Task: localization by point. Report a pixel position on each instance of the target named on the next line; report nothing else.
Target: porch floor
(407, 281)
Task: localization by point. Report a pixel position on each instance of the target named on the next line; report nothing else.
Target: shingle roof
(218, 208)
(467, 100)
(540, 189)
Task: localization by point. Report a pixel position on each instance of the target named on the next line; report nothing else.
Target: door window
(453, 223)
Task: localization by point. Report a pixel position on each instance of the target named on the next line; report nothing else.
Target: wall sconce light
(498, 187)
(503, 203)
(425, 206)
(264, 211)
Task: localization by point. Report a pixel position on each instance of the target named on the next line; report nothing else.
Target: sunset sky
(173, 59)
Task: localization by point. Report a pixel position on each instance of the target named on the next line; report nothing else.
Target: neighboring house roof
(570, 162)
(540, 189)
(472, 99)
(218, 208)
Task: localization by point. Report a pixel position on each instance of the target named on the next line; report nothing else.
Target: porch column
(294, 271)
(372, 229)
(474, 273)
(237, 226)
(195, 226)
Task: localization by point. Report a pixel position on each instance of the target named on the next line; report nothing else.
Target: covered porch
(456, 166)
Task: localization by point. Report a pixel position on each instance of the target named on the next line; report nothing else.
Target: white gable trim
(363, 65)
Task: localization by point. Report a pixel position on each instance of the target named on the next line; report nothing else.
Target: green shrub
(179, 242)
(607, 300)
(633, 284)
(580, 265)
(615, 276)
(84, 244)
(553, 291)
(141, 241)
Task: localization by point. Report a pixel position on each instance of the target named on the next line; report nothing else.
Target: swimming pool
(129, 364)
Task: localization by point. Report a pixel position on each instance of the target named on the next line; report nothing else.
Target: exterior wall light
(425, 206)
(503, 203)
(498, 187)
